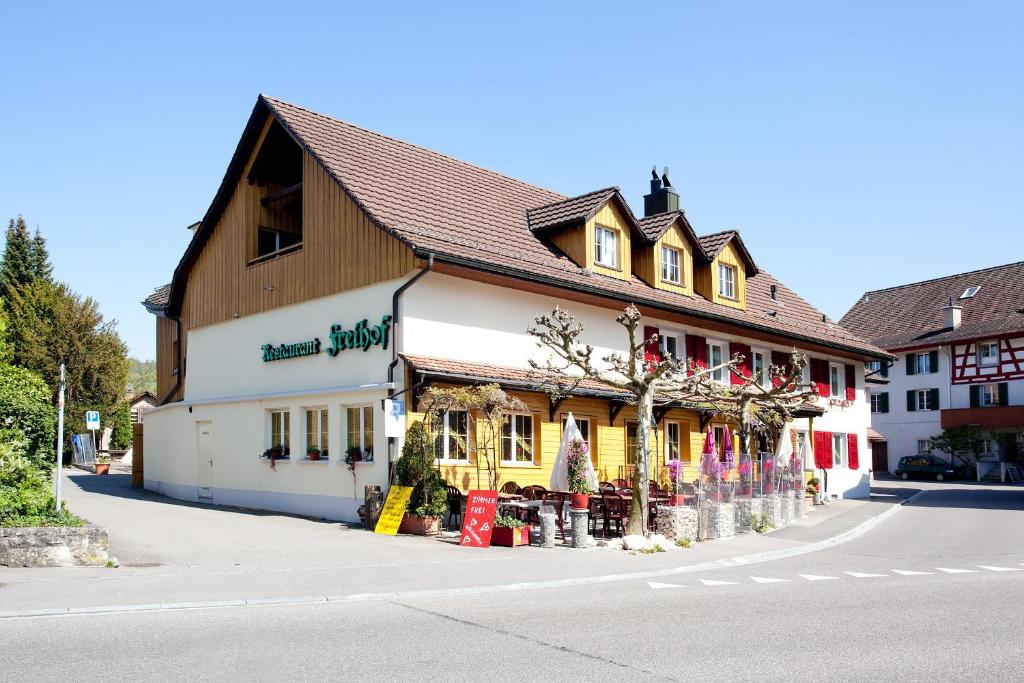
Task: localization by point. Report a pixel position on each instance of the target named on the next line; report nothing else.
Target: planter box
(509, 537)
(420, 526)
(102, 467)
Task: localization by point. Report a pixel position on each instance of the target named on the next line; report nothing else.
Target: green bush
(26, 498)
(27, 413)
(121, 438)
(416, 468)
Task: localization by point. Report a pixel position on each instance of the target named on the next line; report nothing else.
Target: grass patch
(760, 523)
(656, 548)
(684, 542)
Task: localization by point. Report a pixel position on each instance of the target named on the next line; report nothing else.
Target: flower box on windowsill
(319, 461)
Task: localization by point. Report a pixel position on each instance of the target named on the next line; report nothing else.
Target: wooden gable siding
(610, 216)
(341, 250)
(647, 262)
(706, 281)
(165, 358)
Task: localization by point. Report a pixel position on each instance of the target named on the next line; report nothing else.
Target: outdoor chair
(454, 506)
(605, 486)
(620, 484)
(509, 487)
(596, 509)
(615, 510)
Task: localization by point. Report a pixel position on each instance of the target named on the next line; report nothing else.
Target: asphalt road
(936, 592)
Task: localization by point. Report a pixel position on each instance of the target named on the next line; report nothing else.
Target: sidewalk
(174, 552)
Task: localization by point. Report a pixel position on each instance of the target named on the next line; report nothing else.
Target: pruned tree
(646, 381)
(962, 443)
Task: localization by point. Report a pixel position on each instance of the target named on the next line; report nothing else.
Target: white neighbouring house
(959, 342)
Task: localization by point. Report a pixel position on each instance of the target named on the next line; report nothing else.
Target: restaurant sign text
(362, 336)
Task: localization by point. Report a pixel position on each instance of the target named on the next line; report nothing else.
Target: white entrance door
(204, 458)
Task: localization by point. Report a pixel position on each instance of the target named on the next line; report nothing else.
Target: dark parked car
(928, 466)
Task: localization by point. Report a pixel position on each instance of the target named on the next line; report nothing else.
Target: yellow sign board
(394, 510)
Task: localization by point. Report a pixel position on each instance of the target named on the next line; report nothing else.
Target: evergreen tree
(39, 256)
(17, 266)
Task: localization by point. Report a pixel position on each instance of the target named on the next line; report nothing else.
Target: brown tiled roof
(911, 315)
(714, 244)
(571, 210)
(658, 224)
(159, 298)
(469, 216)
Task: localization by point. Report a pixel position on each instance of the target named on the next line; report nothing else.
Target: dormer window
(726, 281)
(606, 247)
(670, 265)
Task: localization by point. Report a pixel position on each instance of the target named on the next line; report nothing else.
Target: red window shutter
(780, 360)
(851, 383)
(819, 376)
(746, 365)
(819, 451)
(697, 349)
(652, 349)
(826, 460)
(851, 446)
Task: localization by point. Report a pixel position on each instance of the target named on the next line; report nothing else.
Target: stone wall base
(677, 522)
(53, 546)
(721, 519)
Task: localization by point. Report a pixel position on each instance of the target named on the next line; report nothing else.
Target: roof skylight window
(969, 292)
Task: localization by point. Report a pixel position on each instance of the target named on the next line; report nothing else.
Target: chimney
(951, 315)
(663, 196)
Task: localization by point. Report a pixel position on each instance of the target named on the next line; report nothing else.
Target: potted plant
(768, 475)
(510, 532)
(812, 492)
(429, 499)
(675, 473)
(353, 455)
(576, 464)
(746, 470)
(313, 453)
(102, 464)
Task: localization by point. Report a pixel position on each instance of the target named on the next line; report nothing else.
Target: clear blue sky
(855, 145)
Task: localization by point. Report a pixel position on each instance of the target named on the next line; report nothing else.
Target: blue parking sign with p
(92, 419)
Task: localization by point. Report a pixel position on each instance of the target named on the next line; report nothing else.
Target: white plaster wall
(226, 360)
(447, 317)
(1015, 393)
(902, 428)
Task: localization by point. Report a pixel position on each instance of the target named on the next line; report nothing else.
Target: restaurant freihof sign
(361, 336)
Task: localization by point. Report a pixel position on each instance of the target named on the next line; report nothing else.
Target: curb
(743, 560)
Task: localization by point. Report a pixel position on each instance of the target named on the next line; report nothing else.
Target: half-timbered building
(337, 267)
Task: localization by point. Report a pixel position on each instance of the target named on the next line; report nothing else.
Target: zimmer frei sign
(362, 335)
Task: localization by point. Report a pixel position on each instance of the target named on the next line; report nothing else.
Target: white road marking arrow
(862, 575)
(656, 585)
(1001, 569)
(761, 579)
(957, 571)
(907, 572)
(815, 577)
(712, 582)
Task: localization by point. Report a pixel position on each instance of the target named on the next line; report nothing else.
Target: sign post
(57, 484)
(479, 521)
(92, 423)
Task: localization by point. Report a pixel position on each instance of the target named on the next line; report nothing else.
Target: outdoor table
(509, 496)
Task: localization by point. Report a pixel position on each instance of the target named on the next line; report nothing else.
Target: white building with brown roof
(337, 267)
(959, 343)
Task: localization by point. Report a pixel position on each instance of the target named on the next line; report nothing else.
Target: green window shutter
(933, 361)
(910, 364)
(911, 400)
(1004, 393)
(883, 402)
(933, 398)
(885, 368)
(975, 396)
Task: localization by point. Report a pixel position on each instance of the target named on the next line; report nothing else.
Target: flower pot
(313, 455)
(746, 490)
(769, 488)
(509, 537)
(102, 468)
(808, 503)
(715, 496)
(677, 499)
(420, 526)
(579, 501)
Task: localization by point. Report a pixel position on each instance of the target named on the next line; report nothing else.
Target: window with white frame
(517, 439)
(801, 441)
(922, 363)
(989, 395)
(716, 356)
(359, 431)
(452, 440)
(606, 252)
(924, 446)
(985, 447)
(988, 353)
(759, 364)
(874, 366)
(836, 381)
(631, 441)
(839, 455)
(279, 431)
(805, 375)
(670, 270)
(876, 402)
(719, 432)
(583, 424)
(726, 281)
(924, 399)
(673, 441)
(670, 344)
(316, 433)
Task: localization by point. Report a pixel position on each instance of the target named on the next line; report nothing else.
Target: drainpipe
(178, 367)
